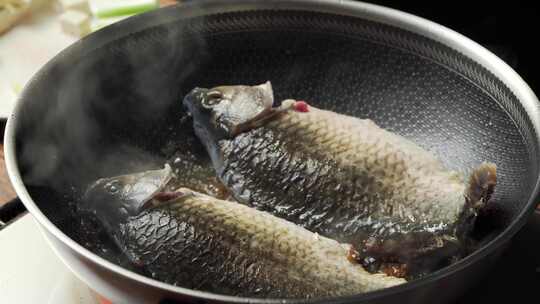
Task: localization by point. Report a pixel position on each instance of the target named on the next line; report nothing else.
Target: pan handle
(10, 211)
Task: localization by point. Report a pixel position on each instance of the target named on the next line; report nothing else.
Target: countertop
(29, 278)
(6, 190)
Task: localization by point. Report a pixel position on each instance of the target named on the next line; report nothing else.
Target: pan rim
(367, 11)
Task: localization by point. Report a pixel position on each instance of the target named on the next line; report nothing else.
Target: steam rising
(108, 111)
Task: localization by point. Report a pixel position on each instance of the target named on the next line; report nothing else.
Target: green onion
(113, 8)
(98, 23)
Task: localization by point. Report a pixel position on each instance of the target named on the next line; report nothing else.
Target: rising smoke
(108, 104)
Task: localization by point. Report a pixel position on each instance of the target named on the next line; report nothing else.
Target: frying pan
(111, 103)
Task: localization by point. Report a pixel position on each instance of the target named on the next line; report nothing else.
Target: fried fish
(192, 240)
(337, 175)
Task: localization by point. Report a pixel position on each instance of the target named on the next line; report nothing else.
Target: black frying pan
(112, 103)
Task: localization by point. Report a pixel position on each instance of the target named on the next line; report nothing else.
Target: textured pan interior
(118, 108)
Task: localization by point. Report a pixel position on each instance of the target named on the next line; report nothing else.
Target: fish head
(225, 111)
(114, 199)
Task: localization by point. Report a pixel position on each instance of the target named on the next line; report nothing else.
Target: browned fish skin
(282, 173)
(345, 178)
(200, 242)
(193, 240)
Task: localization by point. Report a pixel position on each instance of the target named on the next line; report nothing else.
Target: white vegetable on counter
(80, 5)
(75, 23)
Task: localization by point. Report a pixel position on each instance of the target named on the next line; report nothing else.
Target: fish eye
(113, 187)
(212, 99)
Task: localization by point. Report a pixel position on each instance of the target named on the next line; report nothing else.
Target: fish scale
(298, 138)
(326, 171)
(272, 244)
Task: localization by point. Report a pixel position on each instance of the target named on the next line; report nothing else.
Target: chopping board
(26, 48)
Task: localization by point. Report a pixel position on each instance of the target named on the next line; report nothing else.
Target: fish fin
(482, 183)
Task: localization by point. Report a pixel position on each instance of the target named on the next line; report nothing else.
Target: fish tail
(481, 185)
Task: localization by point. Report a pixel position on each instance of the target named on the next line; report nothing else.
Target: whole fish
(337, 175)
(196, 241)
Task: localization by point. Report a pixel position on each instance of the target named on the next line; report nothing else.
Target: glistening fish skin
(197, 241)
(229, 248)
(337, 175)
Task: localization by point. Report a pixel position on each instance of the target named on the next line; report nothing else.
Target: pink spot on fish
(301, 106)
